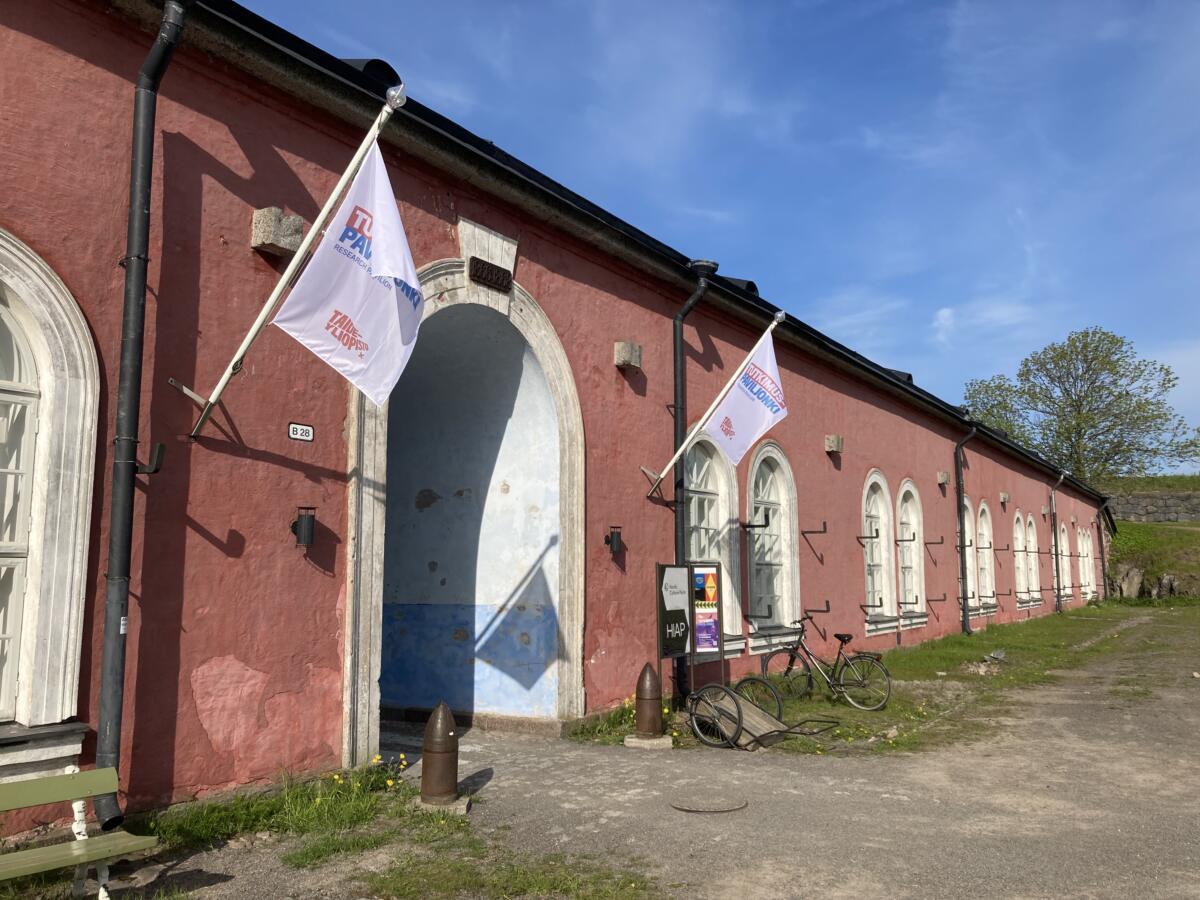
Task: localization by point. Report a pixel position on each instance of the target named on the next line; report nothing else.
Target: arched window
(710, 501)
(1033, 563)
(18, 413)
(49, 392)
(1063, 569)
(1020, 569)
(910, 545)
(774, 575)
(878, 542)
(985, 557)
(1083, 541)
(970, 556)
(703, 516)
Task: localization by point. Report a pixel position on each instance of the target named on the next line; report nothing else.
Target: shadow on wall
(471, 565)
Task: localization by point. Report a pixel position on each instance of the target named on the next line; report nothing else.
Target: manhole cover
(710, 807)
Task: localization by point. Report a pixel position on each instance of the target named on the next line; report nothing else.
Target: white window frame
(1020, 570)
(14, 553)
(60, 514)
(771, 454)
(1063, 569)
(911, 604)
(881, 615)
(1083, 540)
(726, 539)
(968, 546)
(1033, 559)
(985, 560)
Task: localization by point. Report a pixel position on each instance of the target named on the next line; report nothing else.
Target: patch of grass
(1033, 649)
(320, 850)
(1158, 547)
(503, 874)
(610, 727)
(335, 803)
(1157, 602)
(46, 886)
(943, 691)
(892, 728)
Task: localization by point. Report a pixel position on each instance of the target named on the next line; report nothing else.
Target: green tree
(1091, 405)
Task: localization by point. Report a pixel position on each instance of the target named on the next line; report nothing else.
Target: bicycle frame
(826, 669)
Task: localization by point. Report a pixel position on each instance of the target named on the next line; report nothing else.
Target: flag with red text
(358, 304)
(753, 405)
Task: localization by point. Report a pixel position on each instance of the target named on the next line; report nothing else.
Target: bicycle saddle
(844, 638)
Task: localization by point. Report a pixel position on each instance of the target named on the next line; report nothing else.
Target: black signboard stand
(688, 600)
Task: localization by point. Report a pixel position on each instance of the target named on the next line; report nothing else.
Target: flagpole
(717, 402)
(395, 99)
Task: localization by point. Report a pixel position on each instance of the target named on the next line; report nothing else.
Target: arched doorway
(470, 584)
(538, 566)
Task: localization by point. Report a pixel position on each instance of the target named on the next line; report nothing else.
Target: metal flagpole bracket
(394, 99)
(187, 392)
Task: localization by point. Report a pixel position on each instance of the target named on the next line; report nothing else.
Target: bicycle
(862, 679)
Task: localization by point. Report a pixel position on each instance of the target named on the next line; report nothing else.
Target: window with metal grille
(909, 543)
(700, 499)
(1020, 573)
(1033, 581)
(766, 543)
(984, 555)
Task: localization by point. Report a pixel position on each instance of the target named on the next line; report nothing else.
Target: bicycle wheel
(865, 683)
(716, 716)
(761, 693)
(789, 673)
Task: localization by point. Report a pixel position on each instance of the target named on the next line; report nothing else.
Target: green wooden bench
(82, 852)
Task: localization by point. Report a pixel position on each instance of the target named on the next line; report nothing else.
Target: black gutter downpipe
(1054, 534)
(960, 496)
(704, 270)
(129, 389)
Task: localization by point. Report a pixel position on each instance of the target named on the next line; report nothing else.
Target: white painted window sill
(914, 620)
(881, 624)
(771, 639)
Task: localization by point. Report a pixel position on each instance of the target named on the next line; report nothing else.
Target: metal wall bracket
(187, 392)
(156, 461)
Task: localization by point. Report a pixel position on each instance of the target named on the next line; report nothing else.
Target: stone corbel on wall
(274, 233)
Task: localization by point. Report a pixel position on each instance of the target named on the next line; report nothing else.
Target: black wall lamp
(613, 540)
(305, 525)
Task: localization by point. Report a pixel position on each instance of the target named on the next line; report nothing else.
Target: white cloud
(943, 325)
(863, 318)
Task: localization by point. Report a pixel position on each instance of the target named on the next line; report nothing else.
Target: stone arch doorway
(504, 633)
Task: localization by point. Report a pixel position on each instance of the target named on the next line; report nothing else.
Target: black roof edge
(737, 290)
(744, 284)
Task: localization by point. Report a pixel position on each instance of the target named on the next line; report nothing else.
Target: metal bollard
(439, 758)
(649, 721)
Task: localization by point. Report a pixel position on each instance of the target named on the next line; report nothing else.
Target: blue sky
(942, 186)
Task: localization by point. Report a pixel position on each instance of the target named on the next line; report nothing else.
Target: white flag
(358, 304)
(752, 406)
